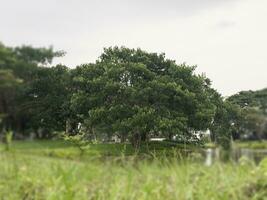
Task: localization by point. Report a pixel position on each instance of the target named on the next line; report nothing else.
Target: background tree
(226, 123)
(21, 65)
(47, 99)
(253, 105)
(8, 85)
(138, 94)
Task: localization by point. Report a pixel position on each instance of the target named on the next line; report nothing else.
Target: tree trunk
(123, 138)
(136, 140)
(170, 136)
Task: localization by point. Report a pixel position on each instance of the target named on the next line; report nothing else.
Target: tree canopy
(253, 107)
(23, 70)
(130, 93)
(136, 94)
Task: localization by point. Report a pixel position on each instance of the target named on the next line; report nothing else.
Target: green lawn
(33, 170)
(63, 149)
(258, 144)
(252, 144)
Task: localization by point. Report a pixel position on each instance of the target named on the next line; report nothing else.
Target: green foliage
(127, 92)
(257, 189)
(22, 77)
(79, 141)
(251, 99)
(8, 86)
(42, 55)
(138, 94)
(48, 95)
(225, 123)
(253, 106)
(8, 140)
(8, 80)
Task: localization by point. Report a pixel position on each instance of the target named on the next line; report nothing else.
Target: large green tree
(21, 69)
(47, 98)
(137, 94)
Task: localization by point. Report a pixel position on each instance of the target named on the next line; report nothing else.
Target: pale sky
(226, 39)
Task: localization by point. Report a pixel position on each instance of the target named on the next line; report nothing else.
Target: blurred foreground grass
(31, 171)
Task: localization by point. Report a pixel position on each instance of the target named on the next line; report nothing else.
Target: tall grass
(40, 177)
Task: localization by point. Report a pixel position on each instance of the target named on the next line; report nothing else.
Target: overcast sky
(226, 39)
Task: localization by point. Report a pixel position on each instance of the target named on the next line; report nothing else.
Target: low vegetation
(262, 144)
(70, 150)
(26, 172)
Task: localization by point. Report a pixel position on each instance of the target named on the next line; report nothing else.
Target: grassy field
(54, 170)
(252, 144)
(63, 149)
(257, 144)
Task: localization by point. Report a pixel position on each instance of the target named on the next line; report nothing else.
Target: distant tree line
(127, 92)
(252, 122)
